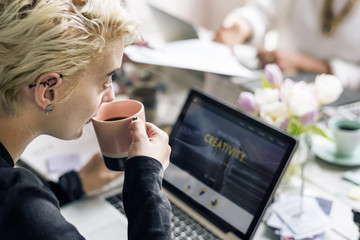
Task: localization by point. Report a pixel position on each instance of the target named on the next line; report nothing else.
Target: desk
(321, 179)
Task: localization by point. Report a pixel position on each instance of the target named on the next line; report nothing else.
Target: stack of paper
(296, 218)
(195, 54)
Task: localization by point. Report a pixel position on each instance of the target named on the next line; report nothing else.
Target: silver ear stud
(48, 109)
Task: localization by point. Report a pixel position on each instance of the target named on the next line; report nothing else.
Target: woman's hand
(148, 140)
(95, 174)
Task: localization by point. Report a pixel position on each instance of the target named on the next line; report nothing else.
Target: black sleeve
(68, 188)
(30, 210)
(146, 206)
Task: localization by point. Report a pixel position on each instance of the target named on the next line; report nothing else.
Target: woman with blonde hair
(57, 60)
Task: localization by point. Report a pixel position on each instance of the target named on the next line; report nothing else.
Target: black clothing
(145, 205)
(29, 209)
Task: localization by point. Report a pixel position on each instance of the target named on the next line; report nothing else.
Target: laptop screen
(224, 163)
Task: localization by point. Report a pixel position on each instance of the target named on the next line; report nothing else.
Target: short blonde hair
(62, 36)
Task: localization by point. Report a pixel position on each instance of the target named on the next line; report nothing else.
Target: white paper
(311, 219)
(195, 54)
(63, 163)
(274, 221)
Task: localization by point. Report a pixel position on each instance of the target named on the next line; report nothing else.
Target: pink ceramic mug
(112, 130)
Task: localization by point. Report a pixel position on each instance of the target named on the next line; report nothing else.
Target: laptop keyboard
(116, 201)
(354, 108)
(183, 226)
(186, 227)
(349, 110)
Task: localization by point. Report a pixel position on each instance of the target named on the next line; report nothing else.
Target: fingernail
(135, 118)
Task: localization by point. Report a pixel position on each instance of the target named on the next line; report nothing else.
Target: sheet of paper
(195, 54)
(311, 218)
(63, 163)
(289, 205)
(274, 221)
(354, 193)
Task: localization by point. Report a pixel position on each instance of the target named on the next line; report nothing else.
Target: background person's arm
(248, 24)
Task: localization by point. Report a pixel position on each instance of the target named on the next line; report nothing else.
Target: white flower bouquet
(292, 106)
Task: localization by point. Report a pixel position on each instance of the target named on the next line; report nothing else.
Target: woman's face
(95, 87)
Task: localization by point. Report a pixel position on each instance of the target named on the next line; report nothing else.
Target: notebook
(225, 166)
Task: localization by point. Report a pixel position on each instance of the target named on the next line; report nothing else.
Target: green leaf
(265, 83)
(294, 126)
(314, 130)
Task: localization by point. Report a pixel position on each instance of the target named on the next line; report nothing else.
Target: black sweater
(29, 208)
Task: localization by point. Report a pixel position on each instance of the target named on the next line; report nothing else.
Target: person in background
(57, 61)
(313, 36)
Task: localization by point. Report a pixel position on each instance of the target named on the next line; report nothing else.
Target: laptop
(224, 168)
(171, 27)
(350, 108)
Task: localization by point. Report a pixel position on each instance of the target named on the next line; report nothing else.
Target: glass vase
(293, 177)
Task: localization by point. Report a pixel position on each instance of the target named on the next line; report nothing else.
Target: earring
(48, 109)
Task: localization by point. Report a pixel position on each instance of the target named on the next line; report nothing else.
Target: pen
(144, 43)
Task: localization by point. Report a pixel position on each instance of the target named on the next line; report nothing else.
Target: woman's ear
(46, 89)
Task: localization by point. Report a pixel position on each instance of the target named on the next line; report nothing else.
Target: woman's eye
(114, 77)
(117, 75)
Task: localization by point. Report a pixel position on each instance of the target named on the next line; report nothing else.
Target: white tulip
(266, 95)
(328, 88)
(301, 99)
(273, 113)
(273, 75)
(247, 102)
(285, 88)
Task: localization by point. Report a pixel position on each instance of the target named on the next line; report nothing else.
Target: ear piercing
(47, 82)
(48, 109)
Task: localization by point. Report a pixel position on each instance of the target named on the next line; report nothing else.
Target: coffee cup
(346, 134)
(111, 126)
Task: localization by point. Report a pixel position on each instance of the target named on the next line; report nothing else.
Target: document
(313, 221)
(63, 163)
(195, 54)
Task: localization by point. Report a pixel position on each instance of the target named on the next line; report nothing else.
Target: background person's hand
(292, 62)
(148, 140)
(288, 61)
(233, 33)
(95, 174)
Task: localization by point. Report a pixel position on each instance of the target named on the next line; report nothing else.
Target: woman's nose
(109, 95)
